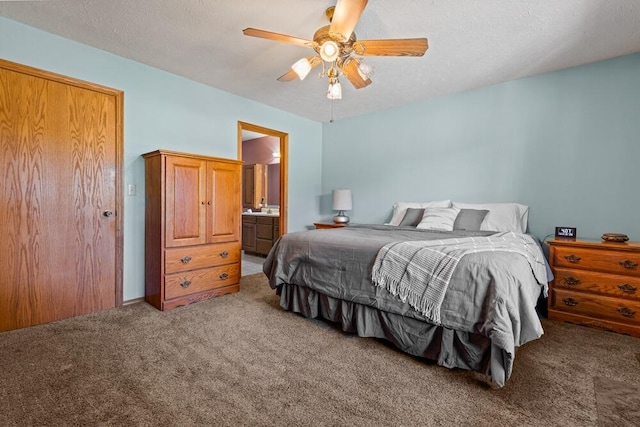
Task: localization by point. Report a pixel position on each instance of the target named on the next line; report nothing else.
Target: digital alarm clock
(566, 232)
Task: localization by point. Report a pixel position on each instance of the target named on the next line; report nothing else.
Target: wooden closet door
(58, 173)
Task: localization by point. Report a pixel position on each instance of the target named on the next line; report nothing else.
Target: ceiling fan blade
(288, 76)
(283, 38)
(350, 70)
(345, 17)
(292, 75)
(391, 47)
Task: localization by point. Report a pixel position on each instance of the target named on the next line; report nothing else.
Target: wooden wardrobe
(192, 228)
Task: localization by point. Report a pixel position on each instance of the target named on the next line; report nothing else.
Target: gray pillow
(469, 219)
(412, 217)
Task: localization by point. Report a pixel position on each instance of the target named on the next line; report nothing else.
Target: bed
(485, 312)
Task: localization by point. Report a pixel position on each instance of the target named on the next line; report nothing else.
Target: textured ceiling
(471, 43)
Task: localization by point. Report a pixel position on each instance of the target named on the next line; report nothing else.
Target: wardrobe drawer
(181, 284)
(597, 306)
(603, 283)
(194, 257)
(607, 261)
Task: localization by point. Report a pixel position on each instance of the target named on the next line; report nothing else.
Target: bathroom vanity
(260, 230)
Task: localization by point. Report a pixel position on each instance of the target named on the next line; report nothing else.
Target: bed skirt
(447, 347)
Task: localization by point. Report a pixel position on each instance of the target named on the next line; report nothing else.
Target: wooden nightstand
(596, 284)
(320, 225)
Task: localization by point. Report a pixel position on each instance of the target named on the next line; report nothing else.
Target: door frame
(284, 162)
(119, 153)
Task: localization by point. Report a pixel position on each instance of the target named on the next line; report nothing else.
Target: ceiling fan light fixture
(365, 69)
(329, 51)
(302, 68)
(335, 90)
(334, 46)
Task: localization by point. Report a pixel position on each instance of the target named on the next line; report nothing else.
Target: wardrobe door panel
(186, 201)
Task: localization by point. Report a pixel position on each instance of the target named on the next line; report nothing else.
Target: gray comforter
(492, 294)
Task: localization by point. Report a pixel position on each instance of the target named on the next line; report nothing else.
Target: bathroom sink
(261, 213)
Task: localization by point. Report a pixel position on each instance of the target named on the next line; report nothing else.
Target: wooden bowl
(615, 237)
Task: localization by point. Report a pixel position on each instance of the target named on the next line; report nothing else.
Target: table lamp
(341, 203)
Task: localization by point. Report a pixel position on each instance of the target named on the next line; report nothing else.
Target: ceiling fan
(338, 49)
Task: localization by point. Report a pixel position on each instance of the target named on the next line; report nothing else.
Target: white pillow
(400, 209)
(438, 219)
(501, 216)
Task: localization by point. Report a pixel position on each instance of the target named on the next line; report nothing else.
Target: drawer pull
(627, 312)
(573, 258)
(224, 276)
(224, 254)
(185, 259)
(627, 288)
(627, 263)
(570, 302)
(571, 280)
(185, 284)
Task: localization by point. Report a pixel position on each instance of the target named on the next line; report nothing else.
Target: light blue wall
(565, 143)
(166, 111)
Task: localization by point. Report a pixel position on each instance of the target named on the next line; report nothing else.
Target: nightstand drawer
(596, 306)
(194, 257)
(602, 283)
(607, 261)
(181, 284)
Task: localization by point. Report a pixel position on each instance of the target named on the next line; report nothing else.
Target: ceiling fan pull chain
(331, 119)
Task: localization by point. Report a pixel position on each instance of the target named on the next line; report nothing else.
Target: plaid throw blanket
(419, 271)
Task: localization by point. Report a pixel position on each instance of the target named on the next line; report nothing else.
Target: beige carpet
(240, 360)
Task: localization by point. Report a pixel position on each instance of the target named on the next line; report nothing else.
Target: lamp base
(341, 218)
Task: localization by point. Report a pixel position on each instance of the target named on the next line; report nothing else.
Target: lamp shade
(334, 91)
(302, 68)
(342, 200)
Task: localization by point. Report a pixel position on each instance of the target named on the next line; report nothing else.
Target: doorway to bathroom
(264, 191)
